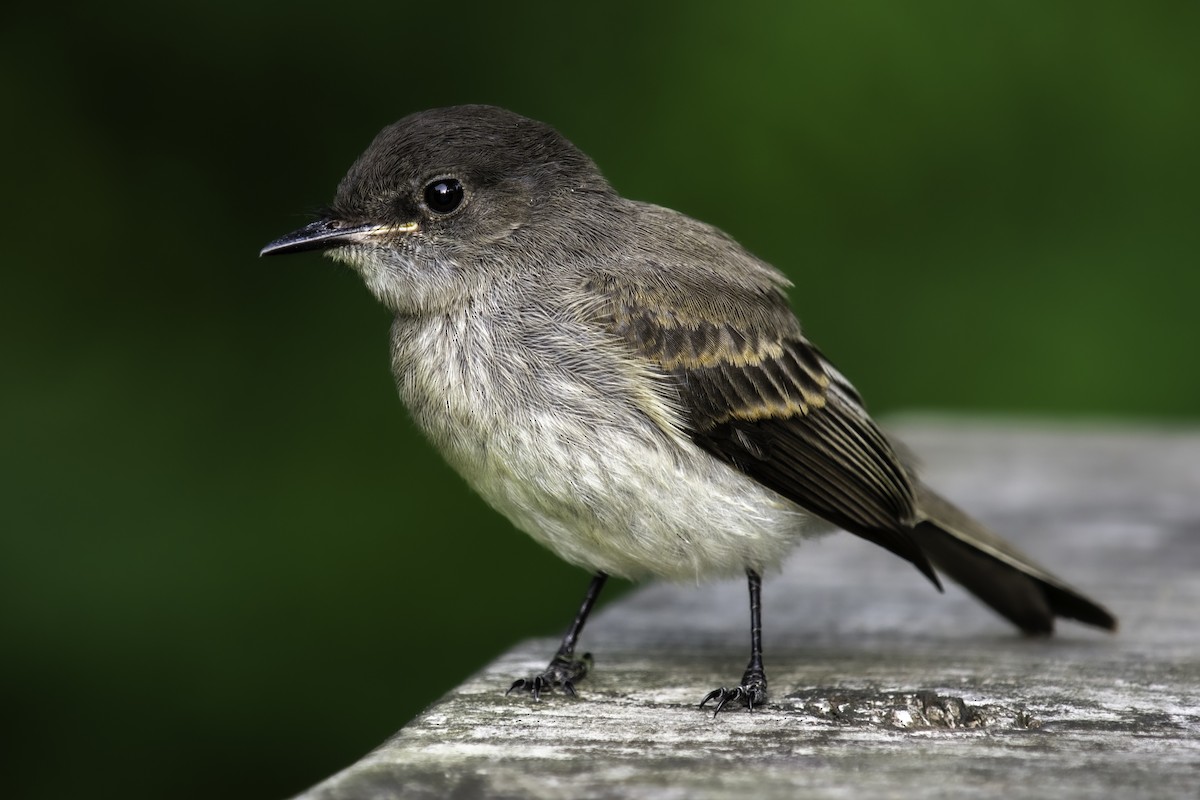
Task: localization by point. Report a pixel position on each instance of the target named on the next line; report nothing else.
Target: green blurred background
(231, 567)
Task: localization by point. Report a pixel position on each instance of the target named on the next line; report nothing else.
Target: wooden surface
(879, 686)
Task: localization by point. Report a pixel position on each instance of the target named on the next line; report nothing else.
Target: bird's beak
(326, 234)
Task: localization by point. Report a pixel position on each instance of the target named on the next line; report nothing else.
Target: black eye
(443, 195)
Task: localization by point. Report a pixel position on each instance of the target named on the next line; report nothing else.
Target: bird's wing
(756, 394)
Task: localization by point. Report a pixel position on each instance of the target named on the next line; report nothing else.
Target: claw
(562, 673)
(752, 692)
(724, 697)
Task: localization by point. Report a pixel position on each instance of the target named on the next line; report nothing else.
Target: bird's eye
(444, 195)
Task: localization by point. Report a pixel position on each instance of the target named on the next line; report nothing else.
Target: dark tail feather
(996, 572)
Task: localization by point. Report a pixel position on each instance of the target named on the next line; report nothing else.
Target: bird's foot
(752, 692)
(563, 673)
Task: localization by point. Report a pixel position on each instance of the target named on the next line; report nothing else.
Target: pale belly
(593, 479)
(630, 506)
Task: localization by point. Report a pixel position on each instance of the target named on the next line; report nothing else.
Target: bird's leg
(753, 690)
(565, 669)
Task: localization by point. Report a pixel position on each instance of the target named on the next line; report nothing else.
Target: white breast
(553, 431)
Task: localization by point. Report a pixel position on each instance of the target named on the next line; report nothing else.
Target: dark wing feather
(761, 398)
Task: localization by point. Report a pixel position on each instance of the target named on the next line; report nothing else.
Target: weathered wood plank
(879, 686)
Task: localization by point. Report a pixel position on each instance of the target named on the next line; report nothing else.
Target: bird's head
(443, 201)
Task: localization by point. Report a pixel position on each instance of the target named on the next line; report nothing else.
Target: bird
(628, 385)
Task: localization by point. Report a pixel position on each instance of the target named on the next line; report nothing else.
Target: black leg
(564, 670)
(753, 691)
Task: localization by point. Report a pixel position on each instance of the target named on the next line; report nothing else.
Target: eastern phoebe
(627, 385)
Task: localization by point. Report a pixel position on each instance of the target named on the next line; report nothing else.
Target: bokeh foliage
(230, 566)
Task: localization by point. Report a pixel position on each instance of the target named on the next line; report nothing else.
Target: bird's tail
(996, 572)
